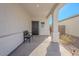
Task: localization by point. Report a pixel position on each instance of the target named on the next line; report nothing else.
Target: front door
(35, 27)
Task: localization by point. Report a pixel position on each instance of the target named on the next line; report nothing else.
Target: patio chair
(27, 36)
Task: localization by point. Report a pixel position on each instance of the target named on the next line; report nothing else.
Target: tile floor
(40, 46)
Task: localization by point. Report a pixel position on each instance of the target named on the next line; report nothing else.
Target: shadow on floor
(53, 49)
(26, 48)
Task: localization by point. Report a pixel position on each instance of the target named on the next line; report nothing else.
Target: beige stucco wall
(72, 25)
(45, 30)
(13, 21)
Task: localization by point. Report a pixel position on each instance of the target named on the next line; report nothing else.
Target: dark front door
(35, 27)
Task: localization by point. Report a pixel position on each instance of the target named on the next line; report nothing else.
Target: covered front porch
(17, 18)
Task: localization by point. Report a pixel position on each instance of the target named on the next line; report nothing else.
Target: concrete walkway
(48, 48)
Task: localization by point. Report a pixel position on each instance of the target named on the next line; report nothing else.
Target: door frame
(38, 28)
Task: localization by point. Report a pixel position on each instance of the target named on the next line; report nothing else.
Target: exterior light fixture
(42, 24)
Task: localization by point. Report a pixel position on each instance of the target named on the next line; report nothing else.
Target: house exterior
(17, 18)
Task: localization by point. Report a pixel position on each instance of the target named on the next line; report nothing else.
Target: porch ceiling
(38, 10)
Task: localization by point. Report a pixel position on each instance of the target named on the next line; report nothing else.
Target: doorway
(35, 27)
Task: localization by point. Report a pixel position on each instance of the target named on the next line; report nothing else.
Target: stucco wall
(13, 21)
(72, 26)
(45, 30)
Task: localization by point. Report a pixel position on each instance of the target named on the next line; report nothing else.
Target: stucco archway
(55, 34)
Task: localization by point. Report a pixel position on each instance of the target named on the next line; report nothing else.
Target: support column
(55, 32)
(55, 37)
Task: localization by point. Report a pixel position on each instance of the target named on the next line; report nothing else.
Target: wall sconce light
(42, 24)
